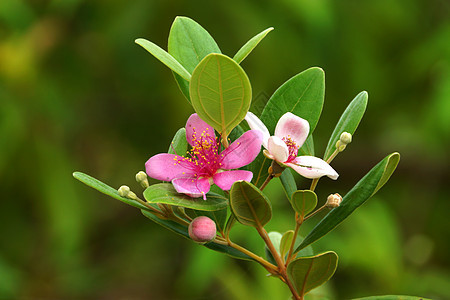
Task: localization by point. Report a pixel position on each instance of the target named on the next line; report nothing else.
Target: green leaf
(308, 147)
(164, 57)
(308, 273)
(302, 95)
(220, 92)
(348, 122)
(275, 238)
(250, 45)
(249, 205)
(288, 183)
(304, 202)
(218, 216)
(165, 193)
(189, 43)
(359, 194)
(183, 231)
(105, 189)
(285, 242)
(392, 297)
(179, 143)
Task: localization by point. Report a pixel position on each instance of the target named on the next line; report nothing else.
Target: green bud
(340, 146)
(124, 191)
(346, 138)
(141, 178)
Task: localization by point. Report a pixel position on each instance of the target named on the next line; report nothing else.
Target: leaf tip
(139, 41)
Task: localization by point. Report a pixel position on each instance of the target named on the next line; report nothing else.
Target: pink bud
(202, 229)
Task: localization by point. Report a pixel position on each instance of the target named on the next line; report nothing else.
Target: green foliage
(275, 238)
(359, 194)
(165, 193)
(348, 122)
(392, 297)
(220, 92)
(285, 242)
(249, 205)
(250, 45)
(179, 143)
(288, 182)
(304, 202)
(308, 273)
(308, 147)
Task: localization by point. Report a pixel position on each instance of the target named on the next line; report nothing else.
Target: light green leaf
(250, 45)
(359, 194)
(288, 183)
(220, 92)
(105, 189)
(164, 57)
(392, 297)
(348, 122)
(189, 43)
(285, 242)
(179, 143)
(308, 273)
(183, 231)
(166, 194)
(275, 238)
(249, 205)
(304, 202)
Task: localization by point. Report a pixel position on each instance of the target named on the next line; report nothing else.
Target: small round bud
(333, 201)
(141, 178)
(202, 229)
(124, 191)
(346, 138)
(340, 146)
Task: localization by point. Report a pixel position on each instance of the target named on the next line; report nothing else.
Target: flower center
(292, 147)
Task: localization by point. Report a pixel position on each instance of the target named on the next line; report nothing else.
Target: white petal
(313, 167)
(278, 149)
(255, 123)
(290, 125)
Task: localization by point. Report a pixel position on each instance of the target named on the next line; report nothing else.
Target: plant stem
(333, 155)
(314, 184)
(298, 223)
(314, 212)
(268, 179)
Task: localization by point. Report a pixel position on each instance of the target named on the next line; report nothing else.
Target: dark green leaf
(166, 194)
(304, 202)
(164, 57)
(179, 143)
(189, 43)
(250, 45)
(249, 205)
(308, 273)
(359, 194)
(288, 182)
(348, 122)
(220, 92)
(105, 189)
(308, 147)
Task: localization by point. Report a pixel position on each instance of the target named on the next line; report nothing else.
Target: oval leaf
(105, 189)
(249, 205)
(220, 92)
(164, 57)
(179, 143)
(288, 183)
(359, 194)
(308, 273)
(304, 202)
(348, 122)
(165, 193)
(189, 43)
(275, 238)
(285, 242)
(183, 231)
(250, 45)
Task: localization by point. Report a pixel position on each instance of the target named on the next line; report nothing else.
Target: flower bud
(333, 201)
(340, 146)
(124, 191)
(141, 178)
(346, 138)
(202, 229)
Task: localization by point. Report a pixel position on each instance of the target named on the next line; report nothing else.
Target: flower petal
(225, 180)
(191, 186)
(255, 123)
(242, 151)
(290, 125)
(278, 149)
(196, 125)
(312, 167)
(166, 167)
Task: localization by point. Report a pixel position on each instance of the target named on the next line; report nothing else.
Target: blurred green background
(77, 94)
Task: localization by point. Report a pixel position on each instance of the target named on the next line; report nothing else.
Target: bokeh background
(77, 94)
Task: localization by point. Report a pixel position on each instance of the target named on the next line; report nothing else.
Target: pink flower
(290, 134)
(206, 164)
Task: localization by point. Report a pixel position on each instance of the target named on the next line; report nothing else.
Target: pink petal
(278, 149)
(196, 125)
(166, 167)
(255, 123)
(294, 127)
(312, 167)
(225, 180)
(191, 186)
(242, 151)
